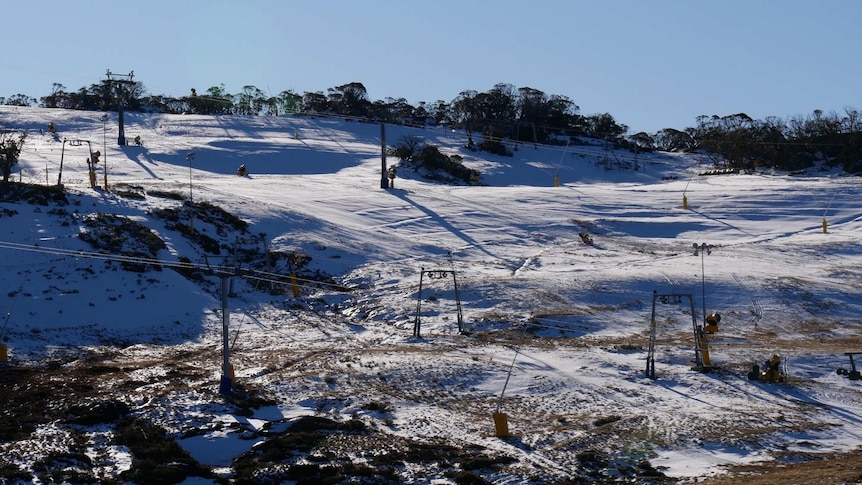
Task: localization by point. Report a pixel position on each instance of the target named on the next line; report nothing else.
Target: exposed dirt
(838, 469)
(105, 394)
(107, 390)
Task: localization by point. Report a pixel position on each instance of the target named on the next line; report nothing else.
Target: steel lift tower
(120, 81)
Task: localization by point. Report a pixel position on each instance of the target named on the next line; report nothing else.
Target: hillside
(115, 327)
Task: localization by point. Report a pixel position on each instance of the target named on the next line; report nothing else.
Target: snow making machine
(772, 371)
(853, 374)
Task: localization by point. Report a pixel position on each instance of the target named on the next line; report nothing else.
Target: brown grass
(839, 469)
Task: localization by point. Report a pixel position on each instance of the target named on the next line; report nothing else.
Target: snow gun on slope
(772, 371)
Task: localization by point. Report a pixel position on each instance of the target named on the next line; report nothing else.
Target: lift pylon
(702, 361)
(436, 274)
(91, 160)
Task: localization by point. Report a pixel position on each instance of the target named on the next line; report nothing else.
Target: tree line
(506, 112)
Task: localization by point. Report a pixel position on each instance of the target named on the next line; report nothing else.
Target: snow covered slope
(554, 332)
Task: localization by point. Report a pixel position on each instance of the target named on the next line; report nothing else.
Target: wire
(244, 273)
(506, 384)
(830, 203)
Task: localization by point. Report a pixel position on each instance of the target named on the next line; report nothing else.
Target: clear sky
(652, 64)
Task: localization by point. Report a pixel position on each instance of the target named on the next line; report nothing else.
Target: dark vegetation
(183, 220)
(507, 113)
(318, 450)
(93, 394)
(211, 230)
(10, 148)
(33, 194)
(309, 450)
(156, 457)
(740, 142)
(120, 235)
(414, 153)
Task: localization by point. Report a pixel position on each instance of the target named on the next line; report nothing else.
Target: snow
(571, 320)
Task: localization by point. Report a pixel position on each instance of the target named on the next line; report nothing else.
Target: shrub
(495, 147)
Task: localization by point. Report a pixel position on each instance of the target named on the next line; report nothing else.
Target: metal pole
(650, 363)
(416, 321)
(698, 350)
(226, 381)
(384, 182)
(105, 147)
(62, 154)
(121, 137)
(506, 384)
(704, 249)
(458, 302)
(703, 284)
(225, 325)
(91, 166)
(190, 157)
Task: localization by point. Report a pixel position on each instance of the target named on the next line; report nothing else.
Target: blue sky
(652, 64)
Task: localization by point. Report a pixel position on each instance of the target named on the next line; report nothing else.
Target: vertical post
(698, 361)
(226, 383)
(650, 363)
(105, 147)
(825, 225)
(703, 283)
(190, 157)
(91, 166)
(121, 137)
(416, 321)
(704, 249)
(704, 350)
(384, 181)
(458, 301)
(62, 154)
(294, 285)
(557, 172)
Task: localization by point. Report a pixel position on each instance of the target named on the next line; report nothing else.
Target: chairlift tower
(436, 274)
(120, 81)
(92, 160)
(702, 361)
(225, 273)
